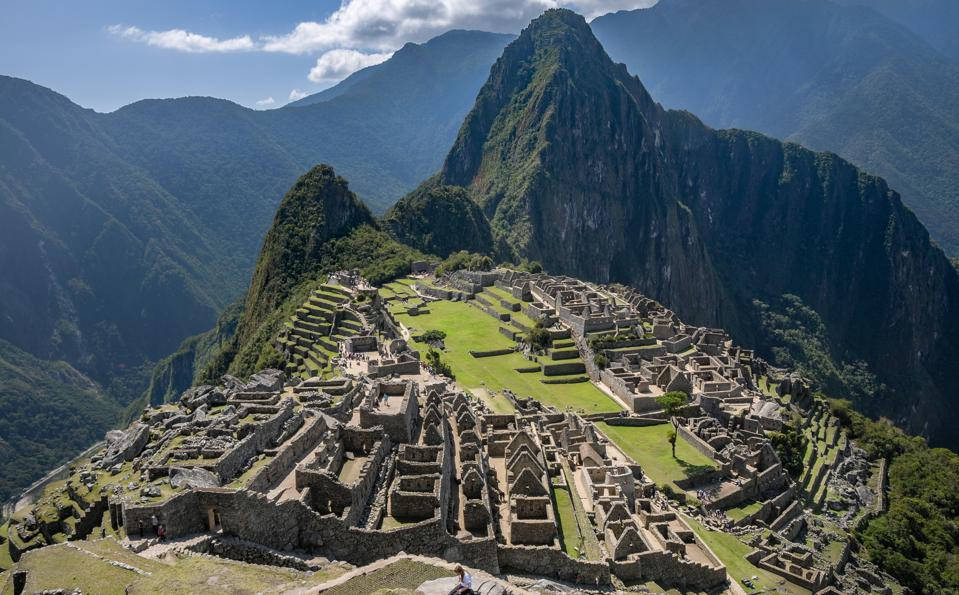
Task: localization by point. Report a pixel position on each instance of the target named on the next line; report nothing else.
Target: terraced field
(469, 328)
(312, 333)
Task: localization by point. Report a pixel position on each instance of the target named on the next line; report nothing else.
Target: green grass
(391, 522)
(64, 567)
(402, 576)
(468, 328)
(585, 526)
(566, 519)
(648, 446)
(732, 553)
(5, 561)
(740, 512)
(497, 403)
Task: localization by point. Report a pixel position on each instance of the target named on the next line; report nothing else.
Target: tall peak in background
(798, 253)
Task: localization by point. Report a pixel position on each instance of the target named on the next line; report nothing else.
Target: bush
(436, 362)
(672, 402)
(469, 261)
(601, 361)
(790, 446)
(432, 336)
(538, 337)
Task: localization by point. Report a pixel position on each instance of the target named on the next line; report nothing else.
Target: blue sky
(104, 54)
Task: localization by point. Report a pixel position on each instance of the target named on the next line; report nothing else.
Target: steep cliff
(576, 166)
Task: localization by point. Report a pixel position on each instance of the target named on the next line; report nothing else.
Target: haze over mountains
(121, 234)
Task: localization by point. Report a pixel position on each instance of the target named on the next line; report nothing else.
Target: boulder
(194, 477)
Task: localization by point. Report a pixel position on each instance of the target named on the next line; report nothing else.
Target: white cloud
(183, 41)
(296, 94)
(340, 63)
(384, 25)
(266, 102)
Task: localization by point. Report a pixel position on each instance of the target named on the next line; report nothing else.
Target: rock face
(576, 166)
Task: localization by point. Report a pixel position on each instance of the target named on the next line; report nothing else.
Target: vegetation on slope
(795, 336)
(48, 412)
(439, 219)
(916, 539)
(320, 227)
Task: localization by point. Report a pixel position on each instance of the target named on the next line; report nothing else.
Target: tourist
(465, 585)
(156, 525)
(161, 532)
(140, 527)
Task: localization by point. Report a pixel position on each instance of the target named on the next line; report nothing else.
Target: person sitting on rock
(465, 586)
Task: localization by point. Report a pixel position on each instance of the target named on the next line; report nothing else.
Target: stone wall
(546, 561)
(695, 441)
(293, 525)
(564, 368)
(235, 459)
(293, 451)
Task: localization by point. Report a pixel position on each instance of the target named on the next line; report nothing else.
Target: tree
(672, 441)
(673, 402)
(538, 337)
(600, 360)
(436, 362)
(790, 447)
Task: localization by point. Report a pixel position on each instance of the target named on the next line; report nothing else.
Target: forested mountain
(122, 234)
(840, 78)
(798, 253)
(933, 20)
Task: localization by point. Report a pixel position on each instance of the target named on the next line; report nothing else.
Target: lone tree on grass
(672, 402)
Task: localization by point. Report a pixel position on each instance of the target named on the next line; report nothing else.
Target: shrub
(538, 337)
(432, 336)
(601, 361)
(436, 362)
(672, 402)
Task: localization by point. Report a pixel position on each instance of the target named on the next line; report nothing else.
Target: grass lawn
(648, 446)
(585, 526)
(468, 328)
(60, 567)
(732, 553)
(498, 403)
(402, 576)
(566, 519)
(741, 512)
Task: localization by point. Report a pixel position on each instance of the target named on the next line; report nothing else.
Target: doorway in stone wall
(213, 520)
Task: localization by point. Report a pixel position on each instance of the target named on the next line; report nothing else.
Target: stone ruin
(381, 456)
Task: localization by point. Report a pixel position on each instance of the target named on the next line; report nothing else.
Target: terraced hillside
(309, 339)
